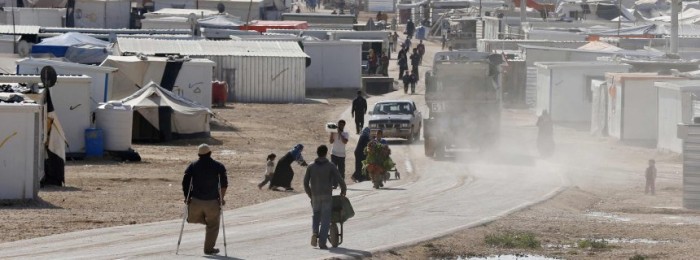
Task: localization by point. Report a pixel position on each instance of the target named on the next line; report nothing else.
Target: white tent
(162, 115)
(192, 80)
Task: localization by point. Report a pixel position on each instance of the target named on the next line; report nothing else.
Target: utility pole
(523, 11)
(619, 21)
(14, 30)
(675, 9)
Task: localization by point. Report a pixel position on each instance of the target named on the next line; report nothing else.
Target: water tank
(219, 92)
(94, 142)
(116, 121)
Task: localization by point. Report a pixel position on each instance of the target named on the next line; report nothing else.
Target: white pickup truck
(397, 119)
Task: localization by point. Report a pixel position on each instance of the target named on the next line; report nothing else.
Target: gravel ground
(103, 193)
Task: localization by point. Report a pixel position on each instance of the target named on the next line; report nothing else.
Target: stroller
(341, 212)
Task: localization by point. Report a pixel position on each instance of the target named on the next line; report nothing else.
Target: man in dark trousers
(415, 61)
(202, 196)
(402, 61)
(359, 109)
(421, 51)
(318, 182)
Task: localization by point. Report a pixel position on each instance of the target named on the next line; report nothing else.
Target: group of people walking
(410, 78)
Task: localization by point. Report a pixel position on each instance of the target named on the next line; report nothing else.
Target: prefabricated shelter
(21, 150)
(71, 101)
(172, 22)
(241, 8)
(599, 107)
(263, 26)
(552, 54)
(160, 115)
(255, 71)
(188, 78)
(563, 88)
(181, 12)
(110, 14)
(676, 106)
(320, 18)
(101, 75)
(238, 8)
(45, 17)
(632, 106)
(326, 72)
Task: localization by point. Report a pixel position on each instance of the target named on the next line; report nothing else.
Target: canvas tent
(75, 47)
(189, 78)
(160, 115)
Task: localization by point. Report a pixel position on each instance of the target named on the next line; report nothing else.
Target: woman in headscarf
(360, 155)
(283, 172)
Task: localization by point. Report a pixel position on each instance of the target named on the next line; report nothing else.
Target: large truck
(463, 95)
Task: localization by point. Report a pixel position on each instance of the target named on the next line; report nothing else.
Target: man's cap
(203, 149)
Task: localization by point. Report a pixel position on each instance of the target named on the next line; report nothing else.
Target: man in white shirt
(338, 141)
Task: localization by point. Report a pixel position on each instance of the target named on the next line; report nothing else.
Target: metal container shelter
(256, 71)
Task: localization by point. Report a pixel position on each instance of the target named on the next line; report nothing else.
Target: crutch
(221, 212)
(184, 217)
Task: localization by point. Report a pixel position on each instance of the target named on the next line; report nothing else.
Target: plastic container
(94, 142)
(219, 92)
(116, 120)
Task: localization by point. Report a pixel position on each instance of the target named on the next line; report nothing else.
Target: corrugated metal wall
(691, 168)
(263, 79)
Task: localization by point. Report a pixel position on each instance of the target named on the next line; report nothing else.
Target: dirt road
(433, 198)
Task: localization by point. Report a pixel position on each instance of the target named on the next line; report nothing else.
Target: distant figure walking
(384, 65)
(394, 41)
(283, 172)
(359, 109)
(444, 41)
(545, 135)
(410, 28)
(402, 61)
(650, 175)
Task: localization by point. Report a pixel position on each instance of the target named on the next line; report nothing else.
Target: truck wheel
(429, 147)
(417, 136)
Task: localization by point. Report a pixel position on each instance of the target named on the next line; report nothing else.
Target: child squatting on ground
(269, 170)
(650, 175)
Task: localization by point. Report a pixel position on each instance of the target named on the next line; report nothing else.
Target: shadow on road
(392, 189)
(222, 257)
(350, 252)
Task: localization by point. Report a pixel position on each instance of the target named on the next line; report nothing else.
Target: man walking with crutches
(204, 186)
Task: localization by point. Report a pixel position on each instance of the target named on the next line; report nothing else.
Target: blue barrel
(94, 142)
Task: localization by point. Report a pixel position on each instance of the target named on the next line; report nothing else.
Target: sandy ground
(103, 193)
(605, 201)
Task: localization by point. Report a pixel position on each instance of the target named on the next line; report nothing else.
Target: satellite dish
(48, 76)
(221, 7)
(24, 48)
